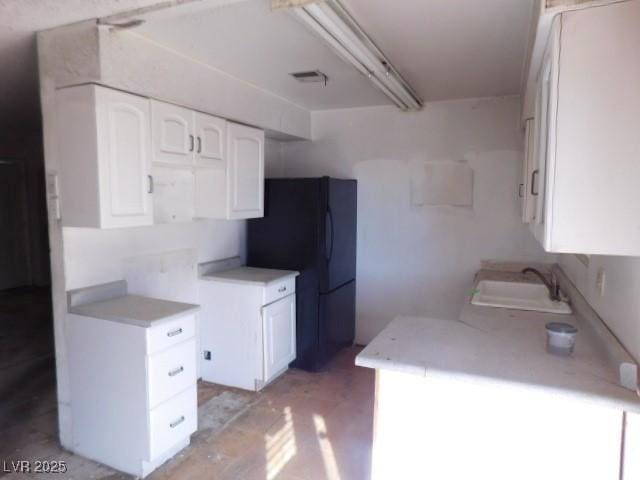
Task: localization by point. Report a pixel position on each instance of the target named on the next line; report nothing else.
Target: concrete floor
(304, 426)
(27, 369)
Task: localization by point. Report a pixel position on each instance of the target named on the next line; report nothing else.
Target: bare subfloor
(304, 426)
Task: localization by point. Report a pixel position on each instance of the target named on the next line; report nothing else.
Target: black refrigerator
(309, 225)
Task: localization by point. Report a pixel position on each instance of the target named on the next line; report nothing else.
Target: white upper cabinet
(104, 148)
(173, 138)
(210, 139)
(233, 187)
(245, 150)
(587, 150)
(129, 161)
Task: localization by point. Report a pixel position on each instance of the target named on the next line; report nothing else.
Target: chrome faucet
(552, 286)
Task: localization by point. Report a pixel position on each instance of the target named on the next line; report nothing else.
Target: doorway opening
(27, 359)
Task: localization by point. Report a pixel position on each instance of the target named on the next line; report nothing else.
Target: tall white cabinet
(585, 171)
(104, 152)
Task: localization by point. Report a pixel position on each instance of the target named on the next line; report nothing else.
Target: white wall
(619, 307)
(420, 260)
(93, 256)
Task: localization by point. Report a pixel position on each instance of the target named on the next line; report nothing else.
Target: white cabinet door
(210, 139)
(104, 144)
(279, 335)
(541, 178)
(124, 159)
(524, 190)
(173, 138)
(245, 171)
(210, 171)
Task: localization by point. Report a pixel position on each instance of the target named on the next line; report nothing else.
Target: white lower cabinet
(246, 342)
(279, 336)
(133, 390)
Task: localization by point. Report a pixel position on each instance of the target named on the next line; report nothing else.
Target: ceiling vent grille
(314, 76)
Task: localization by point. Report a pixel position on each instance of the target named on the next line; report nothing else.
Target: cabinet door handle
(176, 371)
(150, 177)
(199, 145)
(191, 142)
(520, 188)
(282, 289)
(175, 332)
(534, 176)
(177, 422)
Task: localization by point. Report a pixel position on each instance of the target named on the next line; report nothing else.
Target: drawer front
(170, 333)
(171, 371)
(280, 289)
(172, 421)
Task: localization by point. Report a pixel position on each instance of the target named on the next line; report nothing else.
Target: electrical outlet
(600, 281)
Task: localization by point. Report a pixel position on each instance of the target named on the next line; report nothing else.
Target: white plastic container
(561, 338)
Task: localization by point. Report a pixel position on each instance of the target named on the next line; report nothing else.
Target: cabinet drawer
(171, 371)
(279, 289)
(172, 421)
(170, 333)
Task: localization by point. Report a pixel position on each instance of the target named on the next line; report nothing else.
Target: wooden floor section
(304, 426)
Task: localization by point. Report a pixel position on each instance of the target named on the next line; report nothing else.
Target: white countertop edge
(142, 323)
(455, 375)
(286, 274)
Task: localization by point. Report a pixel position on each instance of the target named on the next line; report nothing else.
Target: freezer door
(338, 238)
(336, 321)
(307, 316)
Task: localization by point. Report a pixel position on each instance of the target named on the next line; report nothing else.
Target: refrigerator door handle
(328, 227)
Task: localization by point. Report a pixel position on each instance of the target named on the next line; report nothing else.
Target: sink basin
(521, 296)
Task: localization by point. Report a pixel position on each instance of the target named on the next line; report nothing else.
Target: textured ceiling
(451, 49)
(19, 22)
(249, 41)
(446, 49)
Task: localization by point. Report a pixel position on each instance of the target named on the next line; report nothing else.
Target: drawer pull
(282, 289)
(175, 332)
(177, 422)
(175, 372)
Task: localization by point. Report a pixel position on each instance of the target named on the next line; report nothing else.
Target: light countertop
(500, 345)
(255, 276)
(135, 310)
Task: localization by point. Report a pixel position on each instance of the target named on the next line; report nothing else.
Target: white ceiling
(450, 49)
(445, 48)
(249, 41)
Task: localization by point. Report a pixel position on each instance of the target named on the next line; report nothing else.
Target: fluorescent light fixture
(334, 25)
